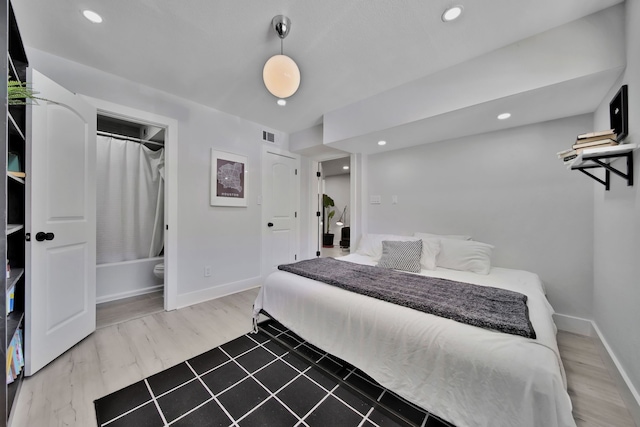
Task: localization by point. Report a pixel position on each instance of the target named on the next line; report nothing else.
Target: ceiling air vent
(268, 136)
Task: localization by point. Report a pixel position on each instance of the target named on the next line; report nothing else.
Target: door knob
(269, 224)
(42, 236)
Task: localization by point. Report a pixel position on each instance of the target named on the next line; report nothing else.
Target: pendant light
(281, 74)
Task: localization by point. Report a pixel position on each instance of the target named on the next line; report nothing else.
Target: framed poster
(618, 113)
(228, 180)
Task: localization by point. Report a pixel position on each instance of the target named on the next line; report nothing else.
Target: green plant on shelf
(20, 93)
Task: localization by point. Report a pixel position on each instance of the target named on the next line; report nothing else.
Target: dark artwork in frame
(618, 113)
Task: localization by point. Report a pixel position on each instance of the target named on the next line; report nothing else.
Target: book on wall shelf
(596, 138)
(585, 141)
(596, 134)
(567, 155)
(598, 143)
(17, 174)
(15, 357)
(10, 299)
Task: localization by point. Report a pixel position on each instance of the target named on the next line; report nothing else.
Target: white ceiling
(212, 52)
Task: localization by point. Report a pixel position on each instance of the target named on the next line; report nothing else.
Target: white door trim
(111, 109)
(264, 270)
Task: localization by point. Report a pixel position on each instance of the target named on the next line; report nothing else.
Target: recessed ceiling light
(281, 102)
(382, 142)
(345, 168)
(504, 116)
(92, 16)
(452, 13)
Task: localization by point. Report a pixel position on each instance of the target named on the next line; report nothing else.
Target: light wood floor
(335, 251)
(596, 400)
(115, 356)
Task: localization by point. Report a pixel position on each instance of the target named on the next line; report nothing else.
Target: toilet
(158, 270)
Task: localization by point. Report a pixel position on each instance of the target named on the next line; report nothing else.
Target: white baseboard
(589, 328)
(196, 297)
(121, 295)
(628, 392)
(577, 325)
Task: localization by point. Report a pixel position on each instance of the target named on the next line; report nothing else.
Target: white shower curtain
(130, 201)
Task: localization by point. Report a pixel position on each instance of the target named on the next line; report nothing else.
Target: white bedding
(467, 375)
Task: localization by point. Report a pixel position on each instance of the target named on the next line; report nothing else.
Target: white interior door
(60, 304)
(280, 204)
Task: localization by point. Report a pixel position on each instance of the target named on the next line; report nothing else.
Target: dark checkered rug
(273, 378)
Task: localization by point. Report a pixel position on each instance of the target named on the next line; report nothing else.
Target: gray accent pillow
(401, 255)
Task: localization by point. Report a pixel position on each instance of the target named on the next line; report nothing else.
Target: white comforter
(467, 375)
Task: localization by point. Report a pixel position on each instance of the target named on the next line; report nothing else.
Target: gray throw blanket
(487, 307)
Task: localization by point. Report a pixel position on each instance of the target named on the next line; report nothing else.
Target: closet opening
(130, 220)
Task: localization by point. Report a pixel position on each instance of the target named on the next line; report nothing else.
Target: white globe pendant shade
(281, 76)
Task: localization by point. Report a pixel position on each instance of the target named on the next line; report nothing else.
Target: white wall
(227, 239)
(505, 188)
(338, 188)
(617, 228)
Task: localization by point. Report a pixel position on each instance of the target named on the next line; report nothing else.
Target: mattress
(467, 375)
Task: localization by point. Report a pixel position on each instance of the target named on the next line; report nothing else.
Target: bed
(464, 374)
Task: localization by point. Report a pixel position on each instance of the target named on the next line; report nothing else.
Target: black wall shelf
(604, 160)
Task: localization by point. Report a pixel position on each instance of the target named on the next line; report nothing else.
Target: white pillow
(430, 250)
(441, 236)
(371, 244)
(401, 255)
(465, 255)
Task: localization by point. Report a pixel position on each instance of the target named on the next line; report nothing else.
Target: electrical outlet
(207, 271)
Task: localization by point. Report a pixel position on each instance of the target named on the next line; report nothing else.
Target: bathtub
(125, 279)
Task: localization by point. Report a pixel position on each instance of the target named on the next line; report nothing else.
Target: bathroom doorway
(130, 170)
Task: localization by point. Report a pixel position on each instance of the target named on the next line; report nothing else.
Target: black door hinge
(317, 253)
(318, 213)
(318, 174)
